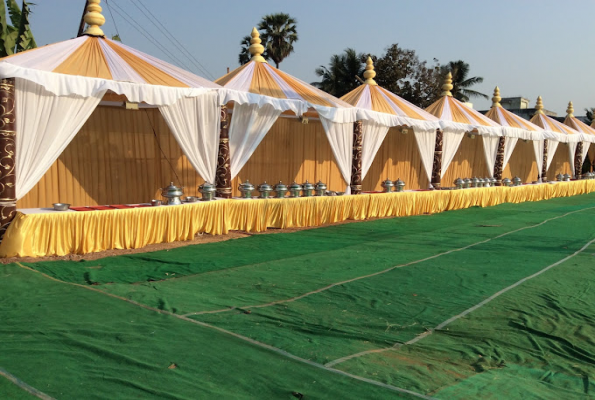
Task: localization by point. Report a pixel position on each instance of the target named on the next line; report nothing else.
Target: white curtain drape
(340, 137)
(538, 149)
(490, 149)
(373, 135)
(571, 151)
(194, 122)
(552, 146)
(509, 145)
(426, 143)
(249, 125)
(450, 144)
(45, 125)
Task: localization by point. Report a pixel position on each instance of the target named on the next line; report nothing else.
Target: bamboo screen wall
(522, 162)
(112, 160)
(469, 161)
(398, 157)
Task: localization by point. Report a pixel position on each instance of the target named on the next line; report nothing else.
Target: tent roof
(576, 123)
(97, 57)
(550, 124)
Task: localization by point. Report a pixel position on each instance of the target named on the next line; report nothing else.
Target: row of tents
(98, 122)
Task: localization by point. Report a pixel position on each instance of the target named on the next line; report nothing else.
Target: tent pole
(8, 200)
(223, 176)
(544, 166)
(356, 160)
(578, 161)
(437, 166)
(82, 24)
(499, 161)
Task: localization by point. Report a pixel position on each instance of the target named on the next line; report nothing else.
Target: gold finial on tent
(94, 19)
(369, 73)
(539, 106)
(570, 110)
(496, 99)
(447, 87)
(256, 49)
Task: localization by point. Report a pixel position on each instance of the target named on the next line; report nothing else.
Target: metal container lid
(295, 186)
(308, 186)
(458, 182)
(399, 182)
(172, 191)
(387, 183)
(474, 179)
(246, 186)
(467, 180)
(207, 187)
(265, 187)
(320, 186)
(516, 179)
(280, 186)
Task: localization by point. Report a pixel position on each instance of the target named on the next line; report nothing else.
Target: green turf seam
(238, 336)
(26, 387)
(274, 303)
(464, 313)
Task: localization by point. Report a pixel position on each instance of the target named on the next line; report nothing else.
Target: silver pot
(516, 181)
(487, 182)
(172, 193)
(295, 189)
(474, 182)
(387, 185)
(246, 189)
(566, 178)
(208, 191)
(506, 182)
(399, 185)
(466, 183)
(320, 188)
(308, 189)
(265, 189)
(559, 177)
(458, 183)
(281, 190)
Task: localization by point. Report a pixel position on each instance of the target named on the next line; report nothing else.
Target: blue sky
(526, 47)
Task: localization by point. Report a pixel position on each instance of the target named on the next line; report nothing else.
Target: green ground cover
(534, 341)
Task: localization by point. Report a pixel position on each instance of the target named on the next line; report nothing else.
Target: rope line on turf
(25, 386)
(464, 313)
(325, 288)
(236, 335)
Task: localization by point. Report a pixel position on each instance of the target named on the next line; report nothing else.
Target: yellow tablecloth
(48, 234)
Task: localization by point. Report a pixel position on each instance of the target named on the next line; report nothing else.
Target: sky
(528, 48)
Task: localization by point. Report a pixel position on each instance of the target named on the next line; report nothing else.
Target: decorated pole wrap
(437, 165)
(223, 177)
(578, 153)
(498, 166)
(356, 164)
(543, 176)
(499, 161)
(8, 200)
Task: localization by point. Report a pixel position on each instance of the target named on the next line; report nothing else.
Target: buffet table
(44, 232)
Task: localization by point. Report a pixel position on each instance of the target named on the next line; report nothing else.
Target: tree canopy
(18, 36)
(341, 76)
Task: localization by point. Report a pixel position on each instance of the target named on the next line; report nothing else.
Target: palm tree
(245, 56)
(278, 35)
(18, 36)
(342, 74)
(589, 115)
(461, 84)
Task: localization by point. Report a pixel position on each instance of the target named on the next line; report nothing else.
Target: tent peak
(369, 74)
(256, 49)
(447, 86)
(570, 110)
(496, 99)
(539, 106)
(94, 19)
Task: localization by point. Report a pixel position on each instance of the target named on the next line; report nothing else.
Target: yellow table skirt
(48, 234)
